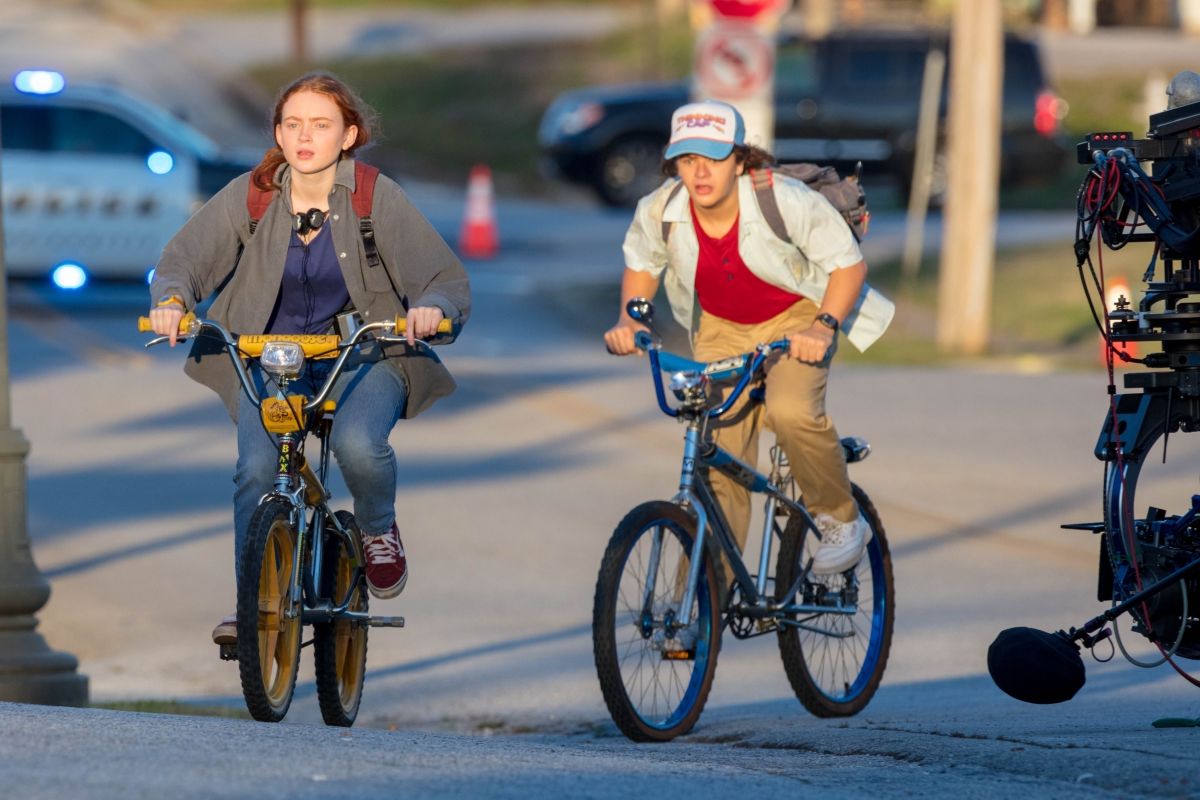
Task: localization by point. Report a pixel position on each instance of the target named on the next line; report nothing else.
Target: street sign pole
(30, 672)
(735, 61)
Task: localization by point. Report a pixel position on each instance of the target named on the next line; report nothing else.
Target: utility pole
(30, 672)
(300, 31)
(973, 169)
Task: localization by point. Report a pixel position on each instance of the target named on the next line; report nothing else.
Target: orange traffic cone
(478, 238)
(1117, 289)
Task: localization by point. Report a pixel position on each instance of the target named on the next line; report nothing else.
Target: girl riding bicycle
(310, 265)
(714, 247)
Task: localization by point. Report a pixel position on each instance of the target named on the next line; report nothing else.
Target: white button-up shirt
(821, 242)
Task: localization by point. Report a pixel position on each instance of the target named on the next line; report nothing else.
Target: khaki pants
(794, 409)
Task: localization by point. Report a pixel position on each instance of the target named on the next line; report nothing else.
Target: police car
(96, 181)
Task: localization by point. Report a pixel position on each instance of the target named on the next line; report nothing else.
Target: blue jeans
(370, 399)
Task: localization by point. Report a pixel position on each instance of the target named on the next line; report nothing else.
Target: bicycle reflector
(282, 359)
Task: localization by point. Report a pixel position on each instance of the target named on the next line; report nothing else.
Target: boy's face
(711, 184)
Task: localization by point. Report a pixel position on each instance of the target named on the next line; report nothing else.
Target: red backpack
(362, 199)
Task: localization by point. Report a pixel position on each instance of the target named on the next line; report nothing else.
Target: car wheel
(629, 169)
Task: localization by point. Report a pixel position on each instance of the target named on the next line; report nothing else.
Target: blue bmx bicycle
(662, 602)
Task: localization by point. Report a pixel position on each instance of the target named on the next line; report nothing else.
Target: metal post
(918, 197)
(30, 672)
(299, 31)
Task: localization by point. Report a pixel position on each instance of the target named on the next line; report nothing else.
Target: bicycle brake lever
(161, 339)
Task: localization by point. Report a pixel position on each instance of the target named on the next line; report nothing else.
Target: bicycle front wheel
(340, 647)
(835, 660)
(268, 632)
(655, 677)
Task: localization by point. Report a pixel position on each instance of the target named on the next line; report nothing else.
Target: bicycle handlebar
(319, 345)
(400, 326)
(743, 366)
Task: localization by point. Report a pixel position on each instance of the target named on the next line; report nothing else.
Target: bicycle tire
(821, 679)
(268, 644)
(637, 678)
(340, 647)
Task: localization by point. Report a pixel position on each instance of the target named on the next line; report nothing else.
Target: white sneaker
(842, 544)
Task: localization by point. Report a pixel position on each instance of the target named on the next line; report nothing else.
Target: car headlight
(569, 119)
(282, 359)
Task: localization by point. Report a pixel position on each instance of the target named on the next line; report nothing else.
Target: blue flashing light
(150, 275)
(39, 81)
(69, 275)
(160, 162)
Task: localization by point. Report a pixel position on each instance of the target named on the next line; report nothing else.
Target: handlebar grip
(643, 340)
(445, 326)
(144, 325)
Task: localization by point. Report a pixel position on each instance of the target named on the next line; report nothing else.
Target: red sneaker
(387, 568)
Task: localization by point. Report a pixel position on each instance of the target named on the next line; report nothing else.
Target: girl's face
(312, 133)
(711, 184)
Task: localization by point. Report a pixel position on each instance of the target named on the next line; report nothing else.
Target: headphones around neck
(309, 221)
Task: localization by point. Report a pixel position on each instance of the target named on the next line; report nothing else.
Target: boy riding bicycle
(712, 245)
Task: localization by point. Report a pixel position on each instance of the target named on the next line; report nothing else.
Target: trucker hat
(709, 128)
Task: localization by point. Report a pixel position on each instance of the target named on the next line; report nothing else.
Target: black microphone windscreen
(1035, 666)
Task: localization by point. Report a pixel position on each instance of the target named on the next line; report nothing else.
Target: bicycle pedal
(228, 652)
(386, 622)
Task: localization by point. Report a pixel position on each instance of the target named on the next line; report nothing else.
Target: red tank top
(725, 286)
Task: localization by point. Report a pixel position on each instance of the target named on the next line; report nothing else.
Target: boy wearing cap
(735, 284)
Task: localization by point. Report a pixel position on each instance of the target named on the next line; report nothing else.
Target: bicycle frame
(295, 481)
(696, 497)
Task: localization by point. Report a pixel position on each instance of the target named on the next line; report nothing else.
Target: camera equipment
(1149, 565)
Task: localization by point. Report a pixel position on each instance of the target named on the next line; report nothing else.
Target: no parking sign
(735, 61)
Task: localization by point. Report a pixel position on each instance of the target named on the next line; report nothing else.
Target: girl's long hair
(354, 112)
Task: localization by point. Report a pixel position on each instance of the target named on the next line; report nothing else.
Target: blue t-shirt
(312, 291)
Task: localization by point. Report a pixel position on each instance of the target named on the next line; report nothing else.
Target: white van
(95, 181)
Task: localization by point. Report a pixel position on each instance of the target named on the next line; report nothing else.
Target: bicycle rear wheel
(655, 680)
(340, 647)
(268, 643)
(835, 661)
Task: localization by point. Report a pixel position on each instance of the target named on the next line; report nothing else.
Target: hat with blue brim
(709, 128)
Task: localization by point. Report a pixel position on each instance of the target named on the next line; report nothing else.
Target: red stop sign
(747, 9)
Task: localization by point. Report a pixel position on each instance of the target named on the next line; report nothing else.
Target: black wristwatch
(829, 321)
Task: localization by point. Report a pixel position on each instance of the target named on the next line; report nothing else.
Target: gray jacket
(421, 270)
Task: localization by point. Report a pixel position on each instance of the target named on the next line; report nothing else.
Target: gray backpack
(845, 194)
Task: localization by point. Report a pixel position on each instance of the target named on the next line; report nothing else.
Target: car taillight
(1049, 111)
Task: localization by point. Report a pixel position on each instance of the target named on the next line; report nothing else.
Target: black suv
(851, 96)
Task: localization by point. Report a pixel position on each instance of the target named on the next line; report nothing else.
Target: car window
(70, 130)
(876, 68)
(796, 70)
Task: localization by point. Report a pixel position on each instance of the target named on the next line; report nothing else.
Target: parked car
(851, 96)
(95, 180)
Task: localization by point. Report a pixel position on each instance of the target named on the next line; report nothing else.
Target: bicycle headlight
(689, 387)
(282, 359)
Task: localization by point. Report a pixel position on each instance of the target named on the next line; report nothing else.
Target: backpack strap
(257, 201)
(763, 181)
(363, 199)
(666, 226)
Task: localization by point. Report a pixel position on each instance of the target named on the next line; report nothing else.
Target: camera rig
(1149, 565)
